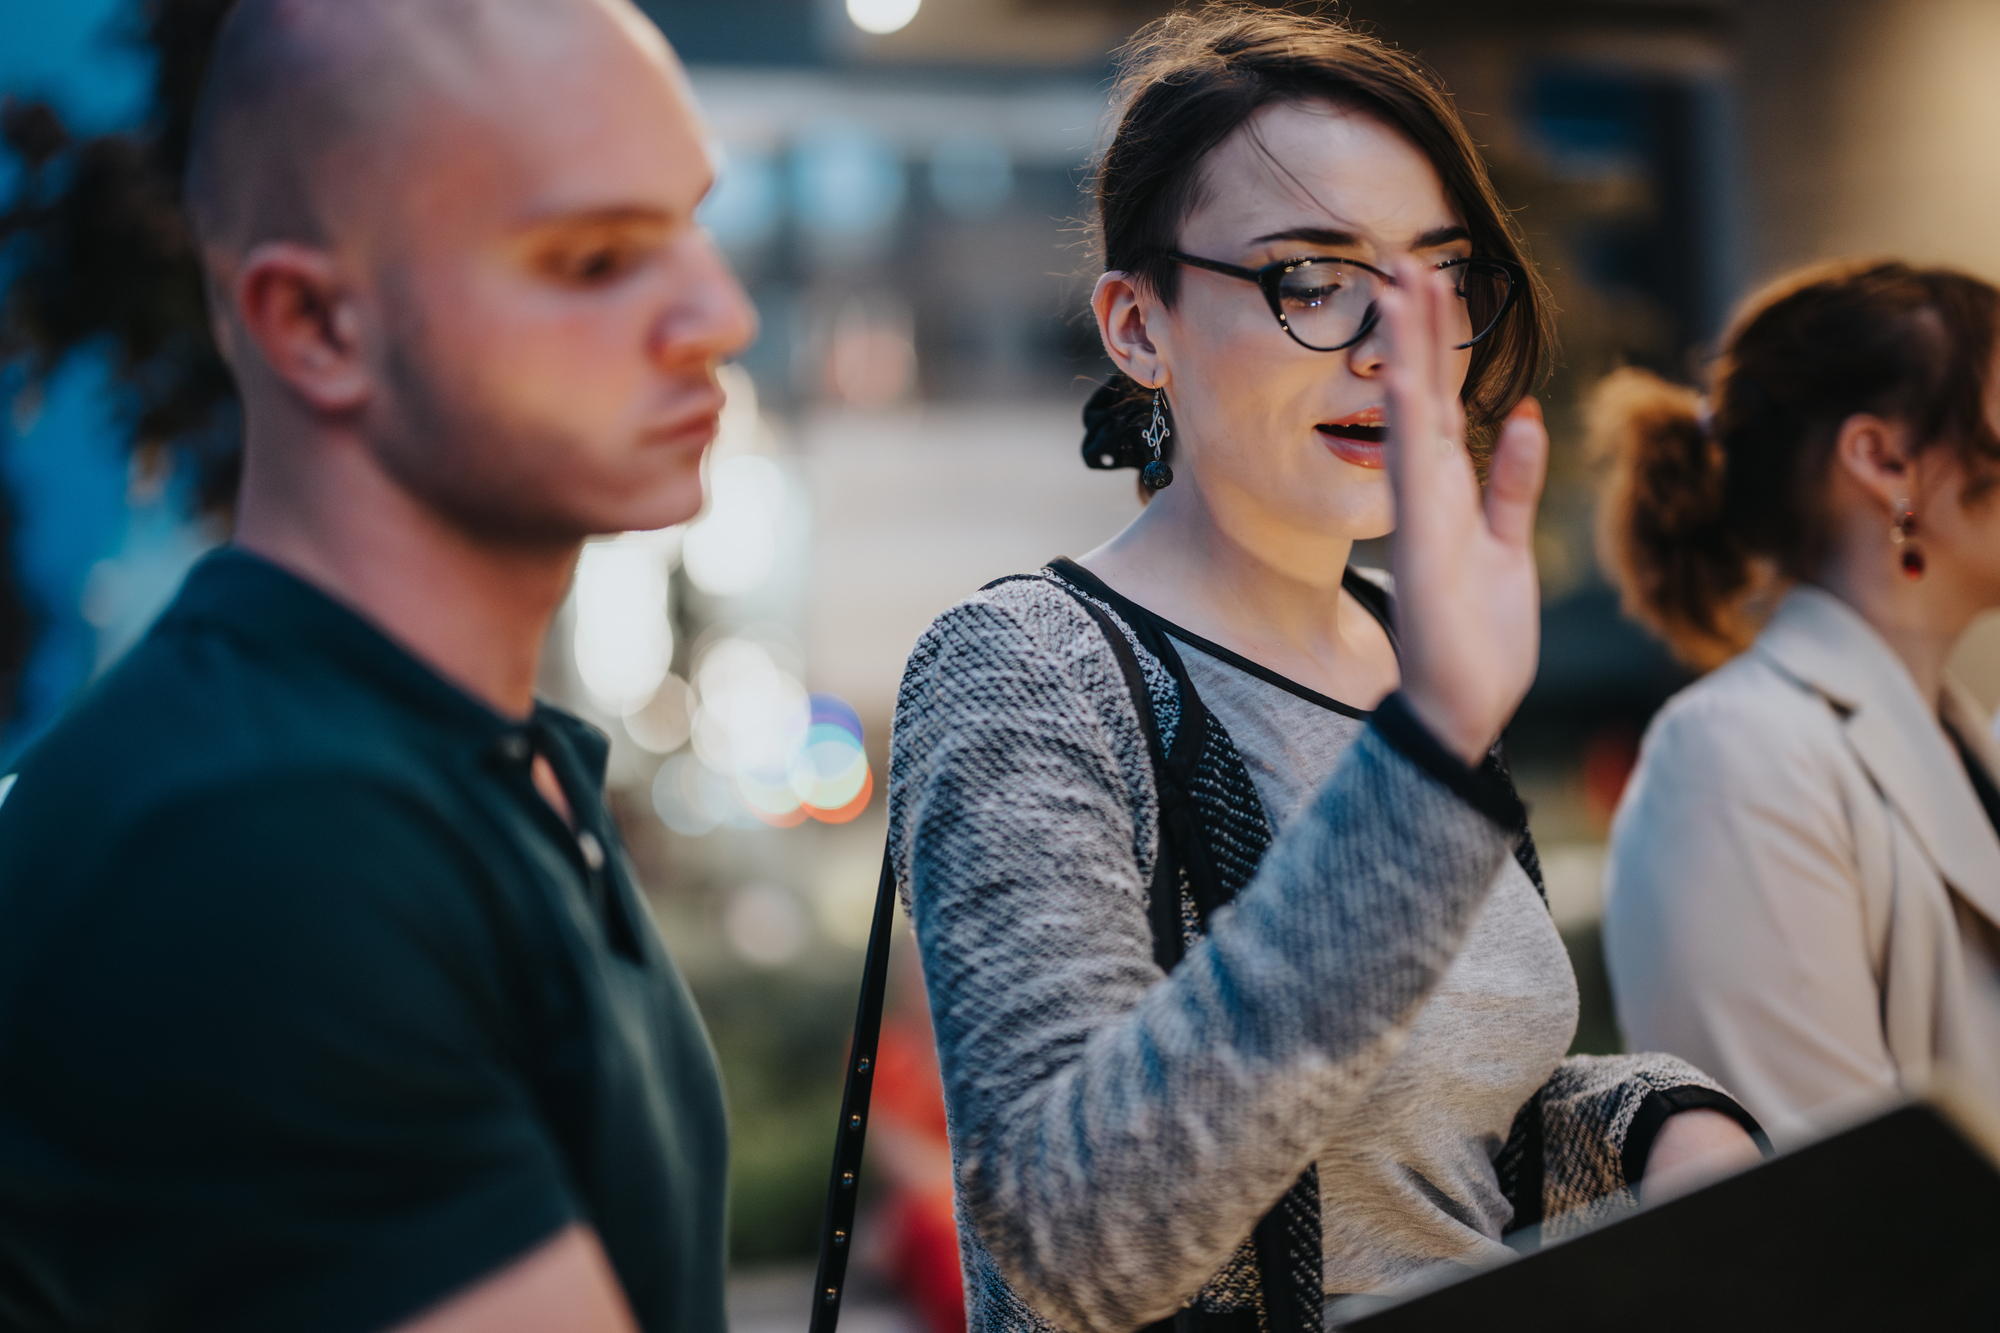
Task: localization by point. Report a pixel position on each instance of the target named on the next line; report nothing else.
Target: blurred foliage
(782, 1039)
(97, 252)
(17, 626)
(94, 252)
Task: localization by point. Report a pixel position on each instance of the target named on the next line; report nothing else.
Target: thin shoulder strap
(836, 1238)
(1374, 599)
(1163, 898)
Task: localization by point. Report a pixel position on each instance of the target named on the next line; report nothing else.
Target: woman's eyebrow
(1437, 236)
(1430, 240)
(1311, 236)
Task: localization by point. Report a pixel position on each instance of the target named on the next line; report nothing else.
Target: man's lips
(698, 424)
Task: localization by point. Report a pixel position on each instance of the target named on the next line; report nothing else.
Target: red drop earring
(1903, 532)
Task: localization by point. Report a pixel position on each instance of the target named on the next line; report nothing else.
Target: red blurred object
(922, 1257)
(917, 1230)
(909, 1091)
(1609, 757)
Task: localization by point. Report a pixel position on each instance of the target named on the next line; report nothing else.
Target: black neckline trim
(1982, 782)
(1077, 574)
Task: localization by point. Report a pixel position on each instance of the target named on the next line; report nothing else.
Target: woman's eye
(1313, 289)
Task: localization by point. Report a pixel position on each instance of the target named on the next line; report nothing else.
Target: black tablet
(1892, 1224)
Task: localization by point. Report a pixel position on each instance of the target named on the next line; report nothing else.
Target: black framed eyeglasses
(1328, 304)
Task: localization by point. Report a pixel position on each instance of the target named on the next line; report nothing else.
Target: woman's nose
(1370, 356)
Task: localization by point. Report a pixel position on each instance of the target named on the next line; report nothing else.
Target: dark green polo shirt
(312, 1012)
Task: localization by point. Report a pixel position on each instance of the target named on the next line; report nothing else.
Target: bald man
(327, 1000)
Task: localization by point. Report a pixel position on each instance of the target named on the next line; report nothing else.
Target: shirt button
(592, 849)
(514, 748)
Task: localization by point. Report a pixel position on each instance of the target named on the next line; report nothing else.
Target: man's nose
(709, 317)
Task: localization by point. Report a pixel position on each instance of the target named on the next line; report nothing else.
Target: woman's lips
(1353, 442)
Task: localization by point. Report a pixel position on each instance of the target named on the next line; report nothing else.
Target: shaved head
(452, 244)
(297, 90)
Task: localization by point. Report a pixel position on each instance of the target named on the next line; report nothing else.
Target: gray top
(1118, 1132)
(1408, 1178)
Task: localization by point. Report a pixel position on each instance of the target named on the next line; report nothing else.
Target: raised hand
(1468, 600)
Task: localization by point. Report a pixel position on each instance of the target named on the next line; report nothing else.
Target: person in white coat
(1804, 885)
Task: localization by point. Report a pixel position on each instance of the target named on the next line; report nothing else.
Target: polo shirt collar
(250, 597)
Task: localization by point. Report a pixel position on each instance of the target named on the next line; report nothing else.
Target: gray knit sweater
(1117, 1132)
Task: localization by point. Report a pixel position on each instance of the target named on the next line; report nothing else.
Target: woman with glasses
(1804, 891)
(1244, 990)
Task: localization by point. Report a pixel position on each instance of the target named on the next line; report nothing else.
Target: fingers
(1514, 482)
(1412, 411)
(1425, 416)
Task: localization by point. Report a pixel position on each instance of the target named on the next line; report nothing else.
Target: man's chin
(664, 508)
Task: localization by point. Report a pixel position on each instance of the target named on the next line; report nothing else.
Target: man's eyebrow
(614, 215)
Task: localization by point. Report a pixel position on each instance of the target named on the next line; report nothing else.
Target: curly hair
(1706, 513)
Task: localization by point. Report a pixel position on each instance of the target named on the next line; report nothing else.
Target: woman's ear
(1121, 308)
(1876, 453)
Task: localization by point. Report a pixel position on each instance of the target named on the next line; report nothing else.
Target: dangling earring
(1156, 474)
(1903, 533)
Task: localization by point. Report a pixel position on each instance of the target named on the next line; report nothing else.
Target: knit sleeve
(1596, 1119)
(1118, 1132)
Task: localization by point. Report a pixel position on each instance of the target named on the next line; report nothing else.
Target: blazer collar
(1824, 644)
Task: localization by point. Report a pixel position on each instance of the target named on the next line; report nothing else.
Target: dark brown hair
(1190, 80)
(1705, 514)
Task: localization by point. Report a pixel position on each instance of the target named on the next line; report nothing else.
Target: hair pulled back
(1705, 514)
(1190, 80)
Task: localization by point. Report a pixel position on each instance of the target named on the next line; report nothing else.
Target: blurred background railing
(901, 191)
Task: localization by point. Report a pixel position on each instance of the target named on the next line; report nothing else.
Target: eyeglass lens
(1326, 303)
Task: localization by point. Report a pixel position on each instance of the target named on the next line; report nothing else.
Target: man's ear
(293, 307)
(1121, 309)
(1877, 453)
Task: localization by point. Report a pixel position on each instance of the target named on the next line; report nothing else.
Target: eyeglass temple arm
(1216, 266)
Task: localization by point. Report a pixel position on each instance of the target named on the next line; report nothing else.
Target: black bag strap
(836, 1233)
(1173, 767)
(836, 1239)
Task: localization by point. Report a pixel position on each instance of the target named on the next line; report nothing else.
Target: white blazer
(1804, 891)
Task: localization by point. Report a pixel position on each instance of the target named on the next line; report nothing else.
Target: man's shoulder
(198, 769)
(291, 863)
(193, 708)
